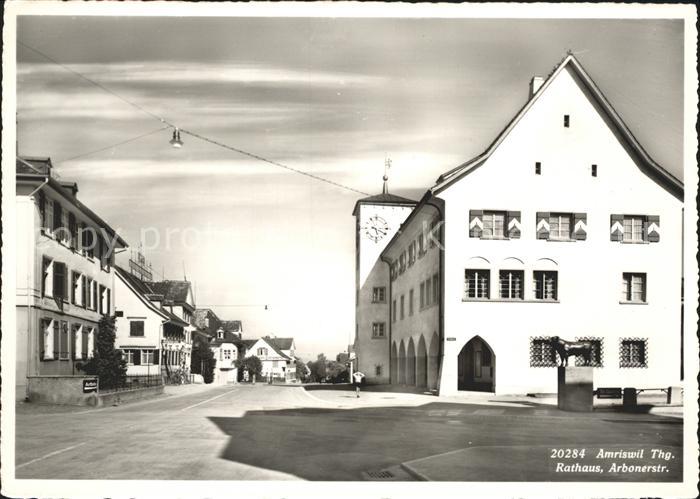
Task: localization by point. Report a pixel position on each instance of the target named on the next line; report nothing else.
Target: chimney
(535, 85)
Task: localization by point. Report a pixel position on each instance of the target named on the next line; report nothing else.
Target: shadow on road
(341, 444)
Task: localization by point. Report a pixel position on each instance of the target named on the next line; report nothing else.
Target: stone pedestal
(575, 388)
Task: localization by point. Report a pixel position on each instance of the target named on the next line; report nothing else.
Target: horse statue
(566, 349)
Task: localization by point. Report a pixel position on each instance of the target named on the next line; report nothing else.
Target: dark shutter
(73, 282)
(616, 227)
(653, 229)
(155, 357)
(56, 334)
(83, 291)
(542, 225)
(109, 308)
(84, 341)
(513, 224)
(580, 227)
(137, 357)
(476, 223)
(45, 323)
(42, 211)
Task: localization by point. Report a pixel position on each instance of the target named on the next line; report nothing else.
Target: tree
(203, 361)
(302, 370)
(252, 364)
(107, 362)
(337, 372)
(318, 368)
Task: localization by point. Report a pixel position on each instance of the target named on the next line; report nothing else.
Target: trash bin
(629, 398)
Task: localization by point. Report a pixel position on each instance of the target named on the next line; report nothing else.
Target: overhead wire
(188, 132)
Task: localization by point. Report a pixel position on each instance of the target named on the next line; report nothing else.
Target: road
(265, 432)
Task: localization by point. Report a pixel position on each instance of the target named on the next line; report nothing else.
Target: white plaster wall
(590, 271)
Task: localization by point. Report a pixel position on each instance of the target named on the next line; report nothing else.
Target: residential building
(563, 227)
(65, 274)
(151, 337)
(276, 355)
(226, 354)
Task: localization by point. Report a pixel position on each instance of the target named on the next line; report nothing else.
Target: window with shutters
(402, 262)
(42, 210)
(560, 226)
(511, 284)
(476, 284)
(421, 245)
(634, 287)
(262, 352)
(378, 330)
(128, 356)
(60, 281)
(411, 253)
(85, 336)
(136, 328)
(541, 352)
(48, 339)
(47, 277)
(74, 291)
(147, 357)
(494, 223)
(633, 229)
(77, 341)
(379, 294)
(72, 231)
(57, 218)
(633, 352)
(545, 285)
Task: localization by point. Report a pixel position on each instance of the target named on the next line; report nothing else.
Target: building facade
(151, 337)
(226, 354)
(65, 274)
(564, 227)
(277, 357)
(377, 220)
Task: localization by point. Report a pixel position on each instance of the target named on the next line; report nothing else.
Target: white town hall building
(563, 227)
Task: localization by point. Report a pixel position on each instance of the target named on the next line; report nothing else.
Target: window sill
(634, 303)
(563, 240)
(378, 337)
(634, 242)
(494, 238)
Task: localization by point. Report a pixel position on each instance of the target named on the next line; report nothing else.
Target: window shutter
(653, 231)
(542, 225)
(513, 229)
(48, 218)
(155, 357)
(580, 226)
(616, 229)
(476, 224)
(56, 333)
(137, 357)
(83, 291)
(84, 340)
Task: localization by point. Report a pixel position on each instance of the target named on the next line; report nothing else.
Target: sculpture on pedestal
(566, 349)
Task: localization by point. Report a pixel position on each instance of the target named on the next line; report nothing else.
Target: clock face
(375, 228)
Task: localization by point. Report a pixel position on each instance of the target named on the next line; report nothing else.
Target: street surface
(269, 432)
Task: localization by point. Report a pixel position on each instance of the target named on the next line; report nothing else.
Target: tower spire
(387, 165)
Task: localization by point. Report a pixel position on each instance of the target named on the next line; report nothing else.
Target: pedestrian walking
(357, 381)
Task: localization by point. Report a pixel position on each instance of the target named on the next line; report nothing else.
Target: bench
(609, 393)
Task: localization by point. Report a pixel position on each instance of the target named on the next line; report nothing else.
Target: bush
(107, 362)
(203, 361)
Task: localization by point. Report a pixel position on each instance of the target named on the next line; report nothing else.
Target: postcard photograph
(343, 248)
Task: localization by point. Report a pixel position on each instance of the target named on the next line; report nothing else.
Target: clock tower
(377, 219)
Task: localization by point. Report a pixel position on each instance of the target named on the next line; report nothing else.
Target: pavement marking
(50, 454)
(208, 400)
(319, 399)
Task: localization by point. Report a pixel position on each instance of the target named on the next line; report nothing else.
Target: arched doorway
(402, 363)
(476, 367)
(394, 364)
(411, 364)
(433, 361)
(422, 363)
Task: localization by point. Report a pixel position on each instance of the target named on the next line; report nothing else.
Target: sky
(329, 96)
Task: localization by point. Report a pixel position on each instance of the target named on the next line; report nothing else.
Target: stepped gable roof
(650, 166)
(384, 198)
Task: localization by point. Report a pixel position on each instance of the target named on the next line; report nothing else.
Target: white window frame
(555, 220)
(378, 330)
(489, 221)
(630, 225)
(480, 276)
(629, 281)
(145, 355)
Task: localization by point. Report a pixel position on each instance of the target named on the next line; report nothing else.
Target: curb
(414, 473)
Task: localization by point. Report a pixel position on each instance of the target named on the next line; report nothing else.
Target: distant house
(277, 357)
(226, 354)
(151, 337)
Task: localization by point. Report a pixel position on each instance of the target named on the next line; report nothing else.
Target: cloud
(187, 73)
